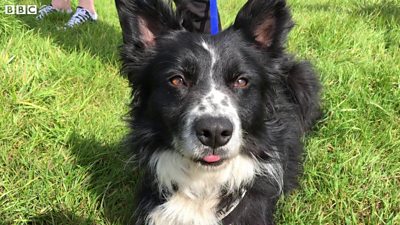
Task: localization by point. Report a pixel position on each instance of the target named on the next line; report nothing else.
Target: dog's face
(204, 94)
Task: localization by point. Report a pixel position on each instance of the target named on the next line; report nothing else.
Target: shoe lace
(46, 10)
(81, 15)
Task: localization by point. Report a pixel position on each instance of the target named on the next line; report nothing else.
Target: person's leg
(195, 14)
(61, 4)
(55, 6)
(88, 5)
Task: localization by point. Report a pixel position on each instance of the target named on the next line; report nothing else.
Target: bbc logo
(20, 9)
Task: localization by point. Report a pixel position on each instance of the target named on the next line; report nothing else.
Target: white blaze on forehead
(215, 102)
(208, 48)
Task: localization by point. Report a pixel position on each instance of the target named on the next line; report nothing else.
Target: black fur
(279, 106)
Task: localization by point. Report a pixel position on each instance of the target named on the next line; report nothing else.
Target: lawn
(62, 106)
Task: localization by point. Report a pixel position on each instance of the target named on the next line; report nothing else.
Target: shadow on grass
(325, 7)
(60, 218)
(99, 39)
(382, 15)
(111, 180)
(387, 11)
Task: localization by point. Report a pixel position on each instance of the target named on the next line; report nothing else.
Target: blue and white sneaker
(80, 16)
(49, 9)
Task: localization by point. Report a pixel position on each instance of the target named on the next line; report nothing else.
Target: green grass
(62, 105)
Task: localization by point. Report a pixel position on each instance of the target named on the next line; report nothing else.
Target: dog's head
(198, 94)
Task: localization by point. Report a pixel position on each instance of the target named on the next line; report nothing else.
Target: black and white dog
(216, 121)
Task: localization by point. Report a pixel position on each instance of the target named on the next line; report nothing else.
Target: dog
(216, 121)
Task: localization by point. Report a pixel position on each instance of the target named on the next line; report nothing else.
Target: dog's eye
(241, 82)
(177, 81)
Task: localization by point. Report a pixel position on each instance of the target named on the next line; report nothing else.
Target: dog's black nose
(213, 131)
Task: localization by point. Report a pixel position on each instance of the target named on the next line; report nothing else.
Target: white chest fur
(183, 210)
(197, 198)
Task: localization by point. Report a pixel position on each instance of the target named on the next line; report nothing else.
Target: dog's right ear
(142, 21)
(265, 23)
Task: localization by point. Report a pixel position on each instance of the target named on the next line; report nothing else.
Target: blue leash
(214, 17)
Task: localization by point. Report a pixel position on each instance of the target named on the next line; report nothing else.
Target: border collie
(216, 121)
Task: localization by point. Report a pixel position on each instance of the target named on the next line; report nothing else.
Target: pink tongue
(212, 158)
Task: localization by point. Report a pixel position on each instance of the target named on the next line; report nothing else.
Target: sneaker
(80, 16)
(49, 9)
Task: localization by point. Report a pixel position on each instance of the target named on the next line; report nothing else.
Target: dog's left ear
(265, 22)
(142, 21)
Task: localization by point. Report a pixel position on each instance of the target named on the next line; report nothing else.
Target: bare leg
(88, 5)
(61, 4)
